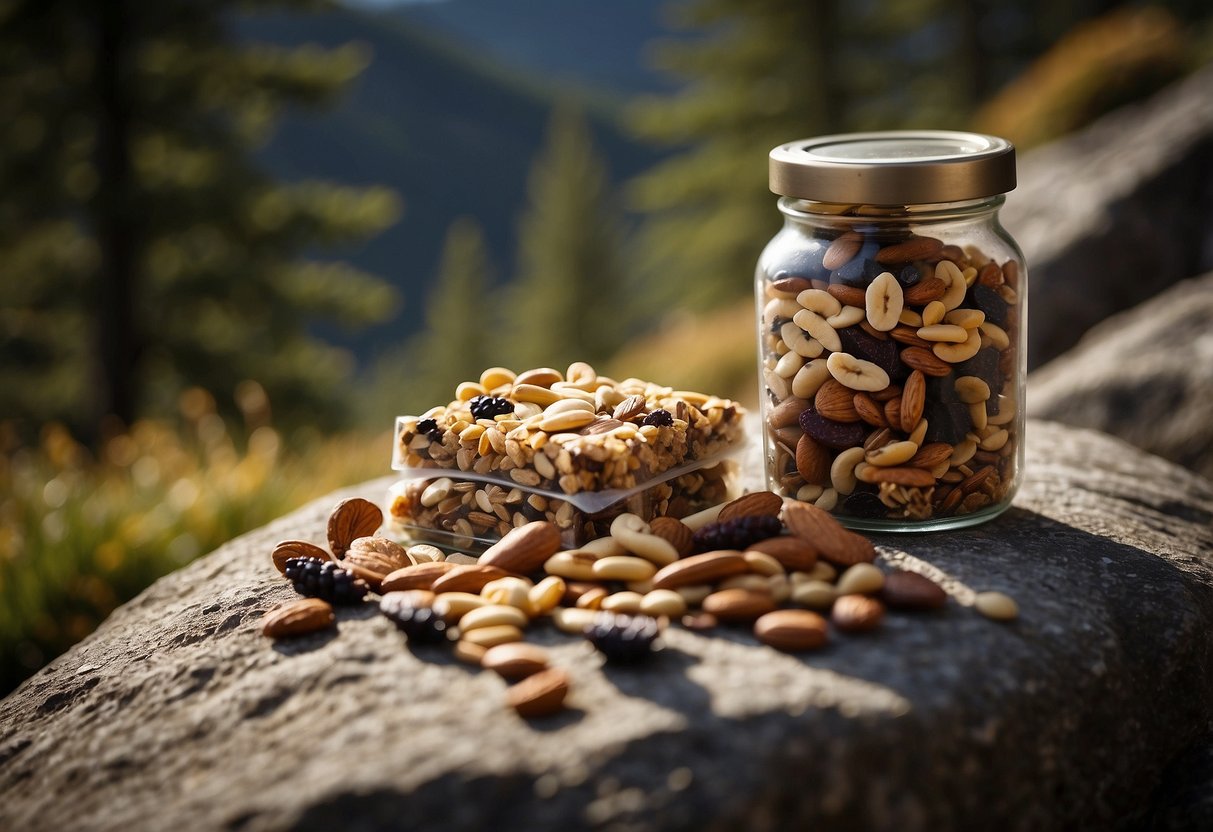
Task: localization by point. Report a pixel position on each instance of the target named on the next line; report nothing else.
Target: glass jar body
(891, 363)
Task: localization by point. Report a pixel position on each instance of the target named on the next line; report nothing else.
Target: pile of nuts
(787, 567)
(565, 434)
(891, 384)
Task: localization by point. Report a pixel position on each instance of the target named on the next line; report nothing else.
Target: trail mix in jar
(890, 307)
(891, 377)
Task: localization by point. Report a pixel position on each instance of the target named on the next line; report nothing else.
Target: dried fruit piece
(421, 624)
(623, 639)
(324, 579)
(488, 407)
(737, 533)
(288, 549)
(837, 435)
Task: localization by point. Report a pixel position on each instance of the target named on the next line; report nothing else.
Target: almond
(795, 553)
(540, 694)
(297, 618)
(700, 569)
(676, 532)
(631, 406)
(467, 578)
(832, 541)
(869, 410)
(524, 549)
(792, 630)
(812, 461)
(288, 549)
(757, 503)
(372, 559)
(925, 291)
(912, 591)
(908, 335)
(930, 455)
(515, 661)
(892, 412)
(857, 613)
(350, 520)
(918, 358)
(421, 576)
(791, 285)
(915, 248)
(844, 247)
(848, 295)
(973, 482)
(913, 400)
(836, 401)
(787, 412)
(738, 604)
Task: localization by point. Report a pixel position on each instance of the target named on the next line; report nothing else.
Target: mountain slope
(449, 130)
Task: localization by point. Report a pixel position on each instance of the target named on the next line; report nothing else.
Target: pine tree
(765, 72)
(143, 250)
(566, 303)
(457, 342)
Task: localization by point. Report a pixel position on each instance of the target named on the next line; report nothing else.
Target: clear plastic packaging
(574, 448)
(470, 512)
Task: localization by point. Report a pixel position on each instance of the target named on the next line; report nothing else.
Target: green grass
(82, 533)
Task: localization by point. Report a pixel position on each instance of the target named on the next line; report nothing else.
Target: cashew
(815, 325)
(856, 373)
(884, 302)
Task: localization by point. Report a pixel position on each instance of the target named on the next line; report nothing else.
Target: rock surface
(177, 714)
(1145, 375)
(1115, 213)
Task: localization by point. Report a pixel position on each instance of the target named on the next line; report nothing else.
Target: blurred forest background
(237, 238)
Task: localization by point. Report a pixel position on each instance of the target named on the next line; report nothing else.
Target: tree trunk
(113, 219)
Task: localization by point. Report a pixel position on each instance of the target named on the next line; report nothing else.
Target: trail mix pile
(890, 377)
(787, 570)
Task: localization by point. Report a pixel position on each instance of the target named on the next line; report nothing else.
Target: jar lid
(898, 167)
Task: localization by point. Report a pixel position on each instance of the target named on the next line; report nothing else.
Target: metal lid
(899, 167)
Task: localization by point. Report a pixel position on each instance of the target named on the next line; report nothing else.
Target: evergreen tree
(457, 343)
(565, 303)
(766, 72)
(143, 251)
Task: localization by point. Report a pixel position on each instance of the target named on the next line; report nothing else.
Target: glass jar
(890, 313)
